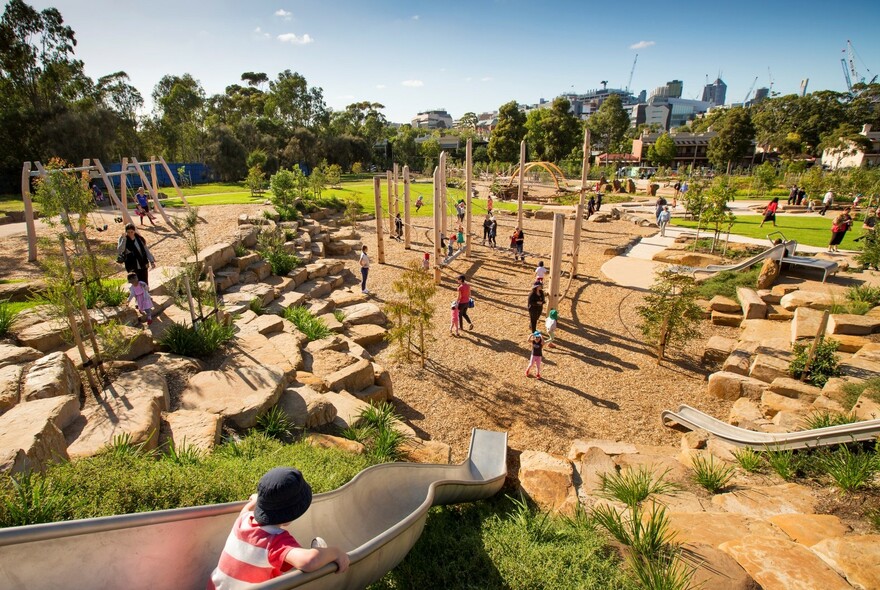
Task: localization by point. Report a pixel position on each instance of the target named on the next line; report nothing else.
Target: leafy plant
(711, 474)
(632, 486)
(7, 316)
(667, 571)
(749, 459)
(851, 471)
(647, 534)
(256, 306)
(240, 250)
(536, 526)
(339, 315)
(670, 314)
(113, 339)
(376, 430)
(824, 419)
(823, 365)
(184, 454)
(313, 328)
(123, 445)
(784, 462)
(270, 245)
(33, 500)
(275, 424)
(412, 313)
(201, 341)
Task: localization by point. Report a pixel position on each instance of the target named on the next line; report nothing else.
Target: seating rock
(731, 386)
(30, 433)
(239, 395)
(305, 407)
(51, 376)
(191, 428)
(548, 481)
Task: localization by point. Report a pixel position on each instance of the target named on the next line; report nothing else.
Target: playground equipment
(555, 172)
(376, 518)
(694, 419)
(96, 171)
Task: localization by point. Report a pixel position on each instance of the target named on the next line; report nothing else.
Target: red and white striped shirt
(253, 554)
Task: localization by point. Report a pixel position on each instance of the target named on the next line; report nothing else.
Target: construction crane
(850, 74)
(749, 93)
(770, 75)
(631, 72)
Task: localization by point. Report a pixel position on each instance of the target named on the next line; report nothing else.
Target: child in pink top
(140, 292)
(453, 327)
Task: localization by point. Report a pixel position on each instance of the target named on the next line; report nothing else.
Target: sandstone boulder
(795, 389)
(30, 433)
(868, 406)
(327, 441)
(767, 368)
(763, 330)
(716, 569)
(428, 451)
(591, 465)
(744, 413)
(10, 378)
(716, 528)
(366, 334)
(353, 376)
(753, 307)
(805, 324)
(731, 386)
(51, 376)
(811, 299)
(852, 324)
(548, 481)
(17, 355)
(581, 446)
(769, 273)
(724, 304)
(364, 313)
(772, 403)
(857, 558)
(779, 564)
(37, 328)
(348, 408)
(344, 298)
(767, 501)
(191, 428)
(239, 395)
(726, 319)
(809, 529)
(306, 407)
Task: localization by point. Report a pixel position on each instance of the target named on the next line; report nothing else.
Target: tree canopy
(608, 126)
(508, 133)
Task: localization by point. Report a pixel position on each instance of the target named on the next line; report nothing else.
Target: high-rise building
(761, 94)
(671, 89)
(716, 92)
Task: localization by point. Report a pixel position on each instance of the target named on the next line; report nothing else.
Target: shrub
(113, 292)
(32, 499)
(632, 486)
(183, 455)
(725, 283)
(240, 250)
(314, 328)
(824, 419)
(256, 306)
(275, 424)
(122, 445)
(711, 474)
(670, 314)
(339, 315)
(270, 245)
(8, 313)
(823, 366)
(851, 471)
(784, 463)
(377, 431)
(749, 459)
(200, 342)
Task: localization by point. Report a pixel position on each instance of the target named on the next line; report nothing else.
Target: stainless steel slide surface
(774, 251)
(819, 437)
(376, 517)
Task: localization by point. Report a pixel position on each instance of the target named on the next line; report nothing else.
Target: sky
(475, 55)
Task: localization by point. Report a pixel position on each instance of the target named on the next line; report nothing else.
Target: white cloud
(415, 17)
(380, 86)
(412, 83)
(486, 79)
(294, 39)
(261, 32)
(642, 44)
(281, 13)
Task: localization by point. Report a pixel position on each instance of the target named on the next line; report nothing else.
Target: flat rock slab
(265, 324)
(348, 408)
(716, 528)
(428, 451)
(857, 558)
(867, 406)
(255, 350)
(327, 441)
(366, 334)
(30, 433)
(809, 529)
(767, 368)
(332, 323)
(724, 304)
(744, 411)
(245, 293)
(780, 564)
(660, 465)
(239, 395)
(763, 330)
(805, 324)
(812, 299)
(51, 376)
(738, 361)
(719, 318)
(764, 502)
(191, 428)
(795, 389)
(344, 298)
(732, 386)
(870, 351)
(846, 343)
(717, 349)
(287, 300)
(17, 355)
(168, 364)
(753, 307)
(354, 377)
(859, 367)
(609, 447)
(306, 407)
(847, 323)
(364, 313)
(716, 569)
(131, 405)
(548, 480)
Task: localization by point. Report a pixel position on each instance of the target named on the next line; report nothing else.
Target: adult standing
(598, 201)
(793, 195)
(802, 194)
(487, 225)
(493, 231)
(827, 201)
(839, 227)
(464, 301)
(535, 304)
(364, 262)
(461, 210)
(132, 250)
(520, 242)
(770, 212)
(658, 207)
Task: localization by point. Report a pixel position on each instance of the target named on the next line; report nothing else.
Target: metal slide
(376, 517)
(778, 251)
(820, 437)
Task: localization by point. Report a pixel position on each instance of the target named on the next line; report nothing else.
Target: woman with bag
(464, 303)
(536, 305)
(132, 251)
(841, 225)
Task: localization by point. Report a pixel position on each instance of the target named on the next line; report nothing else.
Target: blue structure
(198, 173)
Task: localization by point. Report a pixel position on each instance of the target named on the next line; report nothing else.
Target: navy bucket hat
(283, 495)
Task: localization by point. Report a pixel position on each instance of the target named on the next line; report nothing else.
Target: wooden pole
(74, 328)
(29, 211)
(468, 188)
(579, 211)
(407, 237)
(90, 331)
(173, 182)
(522, 176)
(189, 299)
(380, 242)
(438, 225)
(123, 191)
(442, 203)
(152, 190)
(123, 211)
(556, 260)
(389, 178)
(396, 180)
(820, 333)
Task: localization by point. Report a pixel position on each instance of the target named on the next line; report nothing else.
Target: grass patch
(376, 430)
(825, 418)
(784, 463)
(339, 315)
(256, 306)
(646, 533)
(198, 342)
(850, 470)
(126, 482)
(749, 459)
(314, 328)
(503, 543)
(853, 391)
(725, 283)
(711, 474)
(632, 486)
(7, 315)
(810, 230)
(231, 198)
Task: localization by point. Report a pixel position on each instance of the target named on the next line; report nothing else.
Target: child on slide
(258, 548)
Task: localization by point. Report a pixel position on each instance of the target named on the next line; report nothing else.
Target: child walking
(453, 327)
(537, 354)
(459, 237)
(540, 272)
(663, 220)
(426, 262)
(550, 324)
(258, 548)
(140, 292)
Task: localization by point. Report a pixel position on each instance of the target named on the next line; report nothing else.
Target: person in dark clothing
(793, 195)
(658, 208)
(591, 206)
(598, 201)
(520, 240)
(536, 305)
(398, 226)
(802, 194)
(132, 250)
(493, 232)
(487, 225)
(464, 301)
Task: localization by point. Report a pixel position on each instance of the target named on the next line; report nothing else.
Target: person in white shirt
(827, 201)
(540, 272)
(364, 261)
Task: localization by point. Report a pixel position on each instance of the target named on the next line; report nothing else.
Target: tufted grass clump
(201, 341)
(749, 459)
(276, 424)
(8, 313)
(825, 418)
(850, 470)
(376, 430)
(313, 328)
(646, 533)
(711, 474)
(783, 462)
(632, 486)
(668, 571)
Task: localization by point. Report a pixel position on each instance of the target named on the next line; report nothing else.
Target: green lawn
(808, 230)
(230, 198)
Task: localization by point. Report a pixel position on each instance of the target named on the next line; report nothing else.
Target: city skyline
(417, 56)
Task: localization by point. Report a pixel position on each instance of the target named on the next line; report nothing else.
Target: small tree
(412, 314)
(256, 180)
(287, 186)
(765, 175)
(670, 314)
(317, 181)
(357, 168)
(333, 175)
(353, 208)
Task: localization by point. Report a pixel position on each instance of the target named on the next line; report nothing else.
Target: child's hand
(342, 562)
